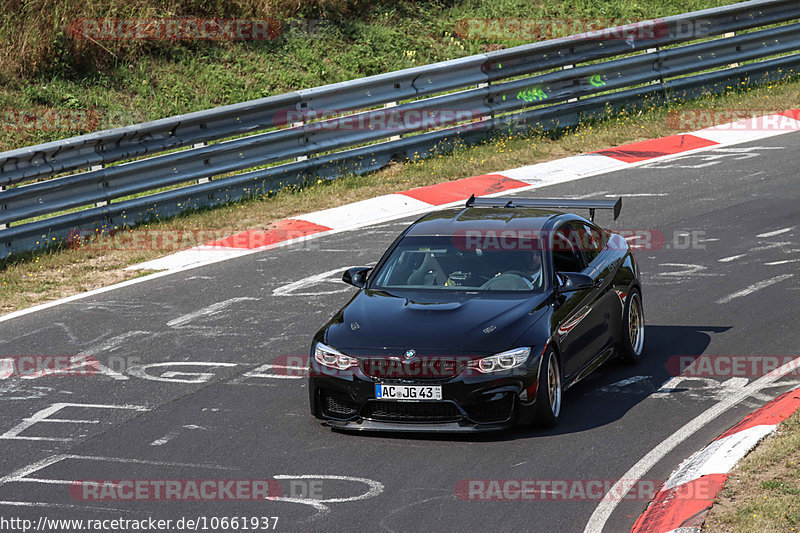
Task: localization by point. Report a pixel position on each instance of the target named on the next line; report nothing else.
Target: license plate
(407, 392)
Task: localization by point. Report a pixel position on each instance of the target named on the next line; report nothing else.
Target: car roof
(450, 221)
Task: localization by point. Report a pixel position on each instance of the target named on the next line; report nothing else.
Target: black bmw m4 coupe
(478, 318)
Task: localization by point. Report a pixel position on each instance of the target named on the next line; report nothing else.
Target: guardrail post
(296, 125)
(660, 78)
(201, 145)
(387, 105)
(3, 226)
(491, 109)
(567, 67)
(726, 36)
(101, 203)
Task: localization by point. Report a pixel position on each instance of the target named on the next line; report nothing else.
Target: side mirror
(573, 281)
(356, 276)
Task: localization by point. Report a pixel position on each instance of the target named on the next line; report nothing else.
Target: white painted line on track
(113, 343)
(321, 508)
(171, 376)
(260, 373)
(604, 509)
(172, 434)
(782, 262)
(686, 270)
(754, 287)
(27, 470)
(620, 386)
(165, 439)
(213, 309)
(774, 233)
(21, 475)
(375, 488)
(771, 246)
(638, 195)
(731, 258)
(290, 288)
(44, 416)
(594, 194)
(86, 359)
(81, 296)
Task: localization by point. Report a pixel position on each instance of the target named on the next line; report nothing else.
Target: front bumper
(470, 403)
(367, 425)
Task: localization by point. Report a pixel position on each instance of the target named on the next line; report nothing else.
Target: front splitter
(414, 427)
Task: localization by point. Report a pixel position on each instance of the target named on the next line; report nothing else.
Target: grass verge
(763, 491)
(37, 278)
(55, 84)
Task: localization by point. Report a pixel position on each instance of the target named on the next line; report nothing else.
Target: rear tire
(549, 390)
(631, 345)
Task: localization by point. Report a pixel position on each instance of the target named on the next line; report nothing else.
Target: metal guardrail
(541, 86)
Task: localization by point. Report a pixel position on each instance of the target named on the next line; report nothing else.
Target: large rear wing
(549, 203)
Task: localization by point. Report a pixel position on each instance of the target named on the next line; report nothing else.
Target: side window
(566, 250)
(592, 242)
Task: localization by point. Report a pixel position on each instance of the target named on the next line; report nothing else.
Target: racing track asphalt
(234, 425)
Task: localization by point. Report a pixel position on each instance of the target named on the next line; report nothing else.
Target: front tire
(549, 391)
(632, 335)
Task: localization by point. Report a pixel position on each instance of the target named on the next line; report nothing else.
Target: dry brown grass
(35, 36)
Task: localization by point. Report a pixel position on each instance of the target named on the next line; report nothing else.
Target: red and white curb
(686, 497)
(400, 205)
(424, 199)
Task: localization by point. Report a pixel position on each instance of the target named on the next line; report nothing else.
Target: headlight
(501, 361)
(325, 355)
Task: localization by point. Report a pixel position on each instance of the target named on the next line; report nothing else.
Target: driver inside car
(501, 270)
(513, 270)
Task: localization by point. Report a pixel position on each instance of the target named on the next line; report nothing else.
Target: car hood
(382, 323)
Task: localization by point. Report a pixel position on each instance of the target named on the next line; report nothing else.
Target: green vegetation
(763, 492)
(44, 65)
(119, 82)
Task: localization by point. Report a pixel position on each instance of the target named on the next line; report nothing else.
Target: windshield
(442, 263)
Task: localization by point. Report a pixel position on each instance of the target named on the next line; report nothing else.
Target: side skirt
(598, 361)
